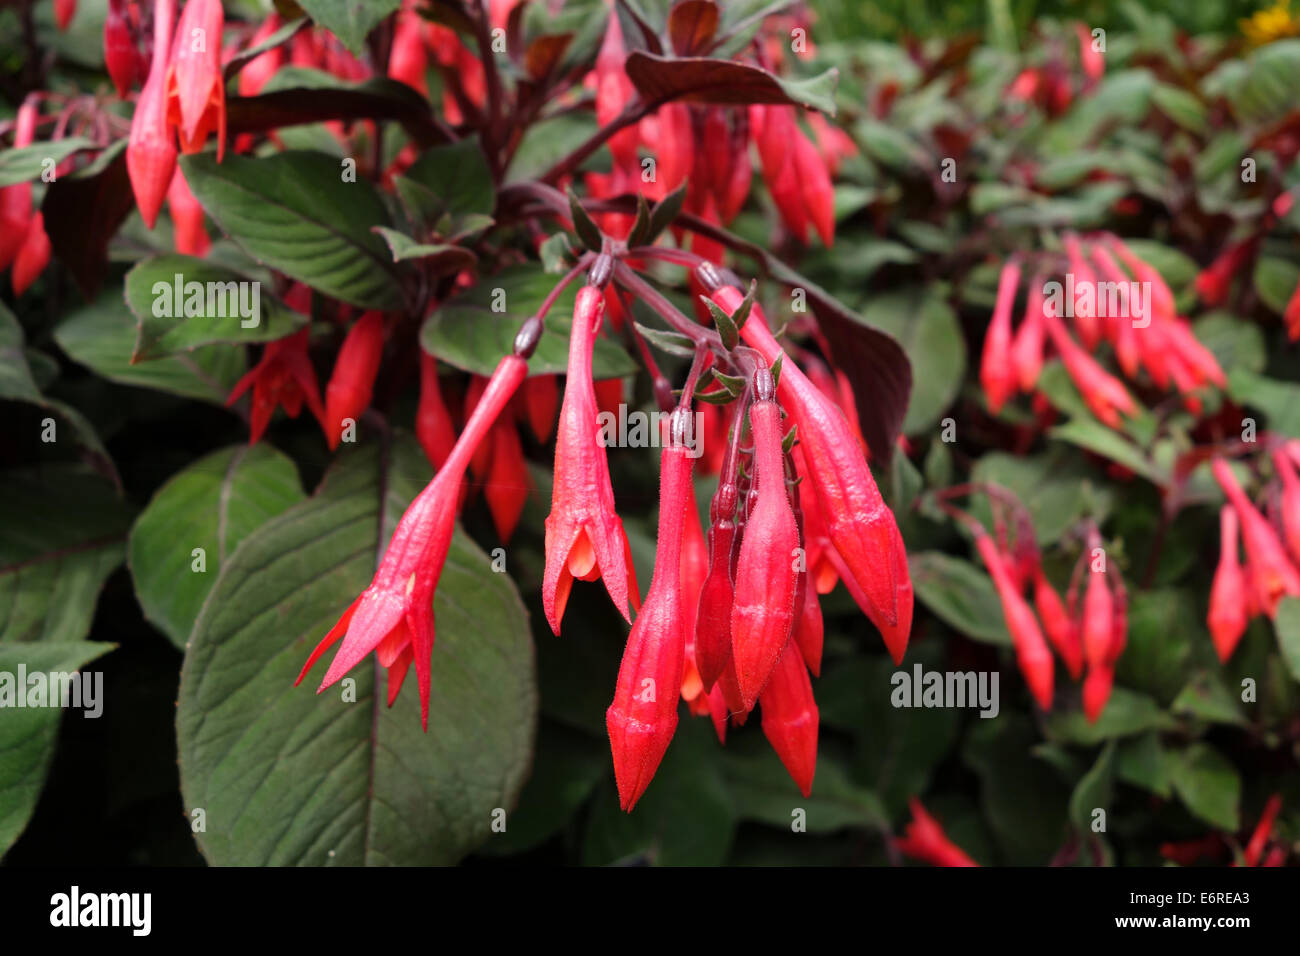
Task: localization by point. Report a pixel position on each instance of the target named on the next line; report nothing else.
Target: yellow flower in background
(1271, 24)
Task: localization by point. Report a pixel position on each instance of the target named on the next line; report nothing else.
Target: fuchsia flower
(191, 237)
(643, 716)
(433, 426)
(858, 523)
(1272, 575)
(394, 615)
(584, 535)
(285, 377)
(1227, 618)
(350, 386)
(762, 611)
(997, 368)
(791, 718)
(151, 149)
(924, 839)
(196, 92)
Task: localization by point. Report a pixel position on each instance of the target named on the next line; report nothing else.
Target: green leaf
(195, 317)
(28, 162)
(1057, 489)
(1126, 713)
(1094, 790)
(470, 334)
(763, 792)
(1142, 761)
(661, 79)
(294, 212)
(673, 343)
(1287, 625)
(212, 505)
(349, 20)
(1208, 785)
(63, 535)
(458, 176)
(440, 258)
(288, 777)
(567, 766)
(1092, 435)
(28, 735)
(1266, 89)
(960, 594)
(1275, 281)
(18, 384)
(664, 212)
(1207, 698)
(927, 329)
(685, 818)
(102, 337)
(1277, 400)
(726, 327)
(1180, 106)
(584, 225)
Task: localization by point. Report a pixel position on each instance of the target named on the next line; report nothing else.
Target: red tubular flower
(1098, 620)
(1291, 317)
(815, 186)
(859, 524)
(508, 481)
(695, 568)
(613, 92)
(713, 621)
(1092, 60)
(791, 718)
(1085, 320)
(1228, 604)
(997, 369)
(1213, 281)
(16, 200)
(1204, 366)
(924, 839)
(409, 61)
(762, 613)
(584, 535)
(285, 377)
(1032, 653)
(196, 92)
(433, 427)
(675, 147)
(643, 716)
(394, 615)
(1273, 575)
(261, 68)
(541, 398)
(1096, 690)
(1027, 347)
(1102, 392)
(120, 54)
(1061, 629)
(1263, 831)
(809, 629)
(187, 218)
(151, 149)
(34, 255)
(348, 393)
(1162, 297)
(777, 134)
(1286, 472)
(64, 11)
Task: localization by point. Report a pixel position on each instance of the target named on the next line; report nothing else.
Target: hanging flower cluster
(1094, 291)
(1087, 631)
(729, 622)
(1272, 546)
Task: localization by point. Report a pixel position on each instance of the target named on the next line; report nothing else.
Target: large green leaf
(294, 212)
(212, 505)
(1208, 785)
(102, 337)
(191, 317)
(763, 792)
(1275, 281)
(349, 20)
(469, 333)
(288, 777)
(63, 534)
(458, 175)
(1266, 90)
(927, 329)
(961, 594)
(28, 734)
(17, 384)
(685, 818)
